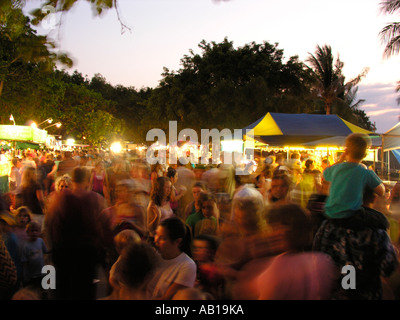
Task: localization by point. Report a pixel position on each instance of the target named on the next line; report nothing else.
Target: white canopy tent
(390, 142)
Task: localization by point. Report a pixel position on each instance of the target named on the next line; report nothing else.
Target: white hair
(247, 193)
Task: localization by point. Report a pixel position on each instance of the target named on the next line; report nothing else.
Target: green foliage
(220, 87)
(227, 87)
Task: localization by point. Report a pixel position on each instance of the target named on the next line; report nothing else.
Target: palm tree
(390, 34)
(329, 78)
(330, 81)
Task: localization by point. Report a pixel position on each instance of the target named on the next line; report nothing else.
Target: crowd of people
(286, 230)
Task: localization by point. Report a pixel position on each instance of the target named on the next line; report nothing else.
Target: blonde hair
(65, 178)
(125, 238)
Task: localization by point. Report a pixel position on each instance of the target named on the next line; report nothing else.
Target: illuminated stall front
(319, 135)
(22, 134)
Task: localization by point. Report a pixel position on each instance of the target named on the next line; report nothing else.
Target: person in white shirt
(177, 270)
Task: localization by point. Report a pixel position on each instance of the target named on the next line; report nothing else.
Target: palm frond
(389, 6)
(390, 36)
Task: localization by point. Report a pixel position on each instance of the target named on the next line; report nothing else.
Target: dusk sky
(163, 31)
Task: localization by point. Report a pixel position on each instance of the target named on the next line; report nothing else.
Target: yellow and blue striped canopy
(278, 129)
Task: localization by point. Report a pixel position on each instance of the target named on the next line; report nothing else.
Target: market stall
(319, 135)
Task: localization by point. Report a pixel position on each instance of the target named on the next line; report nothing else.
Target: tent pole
(374, 159)
(388, 155)
(382, 156)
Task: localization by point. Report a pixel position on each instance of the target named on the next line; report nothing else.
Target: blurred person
(245, 249)
(210, 179)
(156, 171)
(26, 294)
(126, 209)
(30, 194)
(4, 172)
(280, 163)
(371, 205)
(186, 178)
(394, 201)
(247, 211)
(260, 184)
(192, 219)
(177, 270)
(209, 279)
(194, 206)
(159, 207)
(366, 247)
(270, 160)
(61, 184)
(119, 170)
(309, 165)
(122, 240)
(32, 256)
(47, 166)
(7, 234)
(226, 176)
(27, 161)
(132, 272)
(176, 194)
(67, 164)
(294, 163)
(140, 174)
(79, 236)
(53, 173)
(192, 294)
(325, 163)
(23, 216)
(307, 185)
(280, 187)
(15, 174)
(97, 178)
(316, 202)
(296, 273)
(206, 221)
(8, 273)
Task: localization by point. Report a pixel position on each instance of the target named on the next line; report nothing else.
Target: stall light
(116, 147)
(327, 148)
(293, 148)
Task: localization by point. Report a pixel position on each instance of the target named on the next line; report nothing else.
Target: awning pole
(382, 156)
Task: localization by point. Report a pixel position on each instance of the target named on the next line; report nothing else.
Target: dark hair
(177, 229)
(137, 264)
(80, 175)
(299, 233)
(283, 176)
(369, 196)
(212, 241)
(171, 172)
(201, 185)
(206, 196)
(309, 162)
(158, 190)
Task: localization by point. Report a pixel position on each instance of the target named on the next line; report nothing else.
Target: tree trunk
(328, 108)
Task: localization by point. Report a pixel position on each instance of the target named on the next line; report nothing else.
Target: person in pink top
(296, 273)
